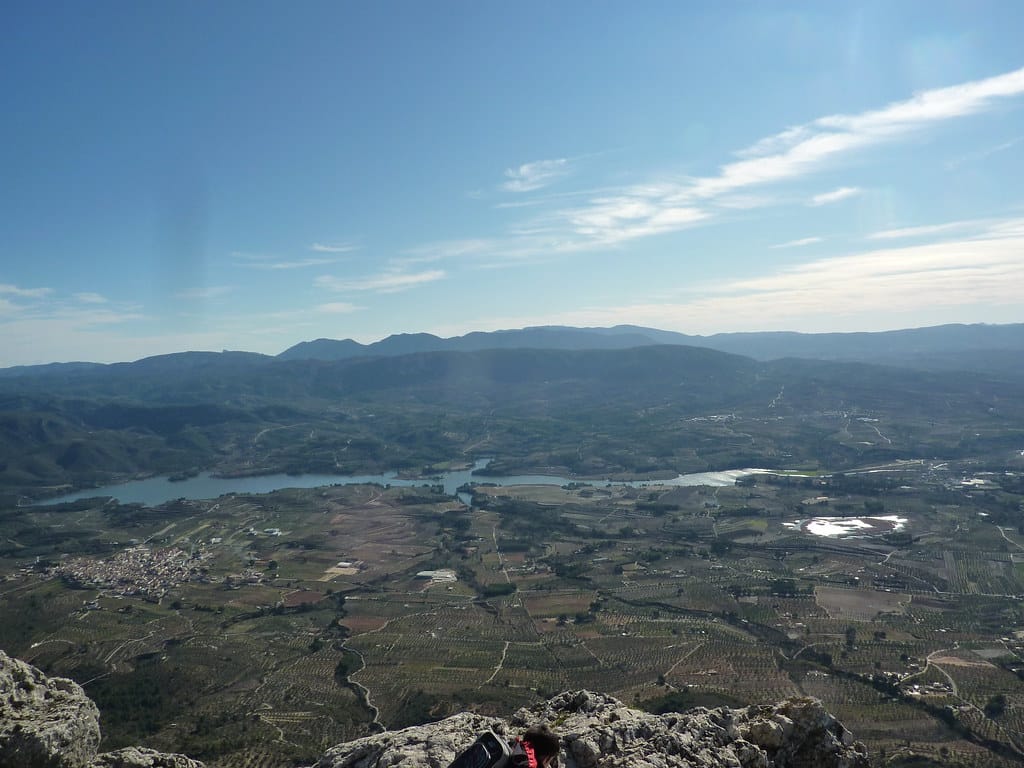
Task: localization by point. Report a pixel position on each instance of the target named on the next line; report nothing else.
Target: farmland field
(305, 616)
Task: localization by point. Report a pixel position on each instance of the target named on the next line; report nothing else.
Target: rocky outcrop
(44, 721)
(598, 731)
(138, 757)
(434, 744)
(49, 722)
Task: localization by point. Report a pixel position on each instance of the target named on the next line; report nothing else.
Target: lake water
(157, 490)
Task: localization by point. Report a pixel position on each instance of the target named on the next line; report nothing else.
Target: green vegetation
(716, 602)
(650, 411)
(259, 630)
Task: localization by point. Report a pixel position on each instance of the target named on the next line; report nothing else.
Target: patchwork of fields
(305, 623)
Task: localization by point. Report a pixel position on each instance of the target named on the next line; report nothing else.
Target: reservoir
(158, 490)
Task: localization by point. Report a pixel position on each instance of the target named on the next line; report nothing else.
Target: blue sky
(249, 175)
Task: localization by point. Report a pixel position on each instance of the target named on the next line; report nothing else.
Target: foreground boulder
(598, 731)
(44, 721)
(49, 722)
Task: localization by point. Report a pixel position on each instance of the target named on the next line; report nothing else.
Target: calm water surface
(157, 490)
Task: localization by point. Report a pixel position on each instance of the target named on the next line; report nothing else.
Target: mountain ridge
(993, 348)
(877, 346)
(235, 413)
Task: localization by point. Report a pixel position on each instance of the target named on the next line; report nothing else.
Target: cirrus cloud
(826, 198)
(335, 248)
(536, 175)
(25, 293)
(389, 281)
(799, 243)
(956, 275)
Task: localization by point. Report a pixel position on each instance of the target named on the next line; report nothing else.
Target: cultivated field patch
(859, 604)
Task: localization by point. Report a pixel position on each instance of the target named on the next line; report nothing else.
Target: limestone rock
(49, 722)
(598, 731)
(138, 757)
(424, 746)
(45, 722)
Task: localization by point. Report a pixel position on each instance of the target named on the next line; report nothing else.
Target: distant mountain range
(992, 348)
(997, 349)
(594, 412)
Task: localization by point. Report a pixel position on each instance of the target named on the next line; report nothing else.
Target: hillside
(589, 412)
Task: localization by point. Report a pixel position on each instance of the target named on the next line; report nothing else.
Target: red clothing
(523, 755)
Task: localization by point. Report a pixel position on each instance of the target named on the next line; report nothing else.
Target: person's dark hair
(545, 742)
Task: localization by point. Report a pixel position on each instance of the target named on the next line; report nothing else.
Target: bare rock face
(434, 744)
(601, 732)
(49, 722)
(138, 757)
(598, 731)
(45, 722)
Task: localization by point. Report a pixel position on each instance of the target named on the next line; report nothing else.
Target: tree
(996, 705)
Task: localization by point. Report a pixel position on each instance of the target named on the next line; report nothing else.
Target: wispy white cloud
(84, 308)
(932, 105)
(661, 206)
(265, 262)
(947, 273)
(612, 217)
(810, 155)
(293, 264)
(204, 293)
(391, 281)
(97, 316)
(520, 245)
(966, 229)
(798, 243)
(25, 293)
(925, 230)
(745, 202)
(559, 197)
(776, 143)
(612, 220)
(804, 149)
(28, 306)
(536, 175)
(87, 297)
(333, 248)
(447, 249)
(986, 271)
(337, 308)
(825, 198)
(981, 154)
(531, 203)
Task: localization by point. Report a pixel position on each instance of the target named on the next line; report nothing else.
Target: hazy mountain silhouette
(994, 348)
